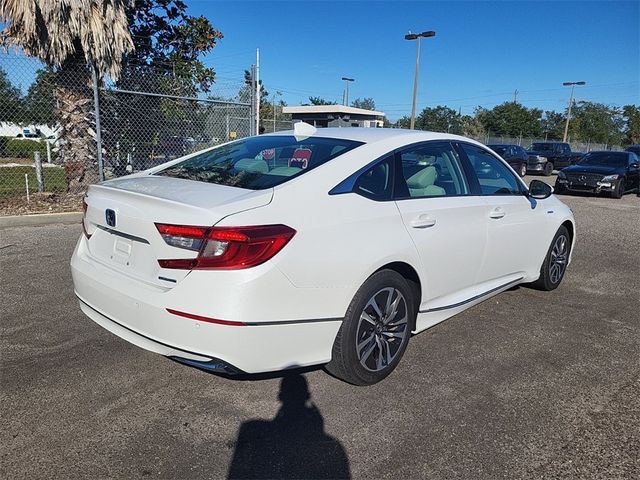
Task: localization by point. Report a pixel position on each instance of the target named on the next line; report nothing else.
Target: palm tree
(73, 37)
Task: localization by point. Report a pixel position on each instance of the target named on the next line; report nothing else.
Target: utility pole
(257, 91)
(417, 36)
(515, 96)
(566, 125)
(345, 95)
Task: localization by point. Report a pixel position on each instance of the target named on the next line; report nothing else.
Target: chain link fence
(527, 141)
(143, 120)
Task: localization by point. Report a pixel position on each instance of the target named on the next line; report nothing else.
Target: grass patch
(12, 180)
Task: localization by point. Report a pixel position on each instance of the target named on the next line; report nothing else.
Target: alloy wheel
(382, 329)
(558, 259)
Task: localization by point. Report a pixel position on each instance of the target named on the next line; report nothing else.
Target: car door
(445, 221)
(511, 219)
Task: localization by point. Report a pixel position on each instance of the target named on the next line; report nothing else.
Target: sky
(481, 54)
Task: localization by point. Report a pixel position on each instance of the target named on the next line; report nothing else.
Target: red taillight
(227, 248)
(84, 214)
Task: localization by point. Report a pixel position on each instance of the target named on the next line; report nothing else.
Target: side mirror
(540, 190)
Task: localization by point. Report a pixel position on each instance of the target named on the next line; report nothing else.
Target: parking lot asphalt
(528, 384)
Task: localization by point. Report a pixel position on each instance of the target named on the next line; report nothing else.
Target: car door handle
(423, 221)
(496, 213)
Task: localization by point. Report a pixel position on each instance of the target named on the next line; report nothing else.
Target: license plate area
(122, 248)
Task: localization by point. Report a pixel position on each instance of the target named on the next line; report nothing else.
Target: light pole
(417, 36)
(566, 125)
(274, 109)
(346, 91)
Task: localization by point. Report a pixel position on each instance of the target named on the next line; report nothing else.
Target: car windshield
(499, 149)
(541, 147)
(259, 162)
(605, 159)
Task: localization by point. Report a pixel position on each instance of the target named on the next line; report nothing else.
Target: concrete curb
(40, 219)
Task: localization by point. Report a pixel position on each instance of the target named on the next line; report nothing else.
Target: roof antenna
(303, 130)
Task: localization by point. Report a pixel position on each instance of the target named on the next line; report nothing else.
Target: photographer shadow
(292, 445)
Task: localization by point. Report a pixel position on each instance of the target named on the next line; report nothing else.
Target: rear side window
(259, 162)
(377, 182)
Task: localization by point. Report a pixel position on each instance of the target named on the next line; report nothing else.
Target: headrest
(422, 179)
(252, 165)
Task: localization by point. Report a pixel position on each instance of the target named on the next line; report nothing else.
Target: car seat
(251, 165)
(422, 183)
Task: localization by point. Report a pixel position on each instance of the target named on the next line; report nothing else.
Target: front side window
(259, 162)
(494, 177)
(430, 170)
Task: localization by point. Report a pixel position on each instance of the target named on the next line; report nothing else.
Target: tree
(511, 118)
(552, 125)
(320, 101)
(74, 37)
(40, 102)
(596, 122)
(169, 44)
(631, 114)
(439, 119)
(11, 103)
(365, 103)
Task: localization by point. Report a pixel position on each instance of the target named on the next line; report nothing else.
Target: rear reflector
(206, 319)
(229, 248)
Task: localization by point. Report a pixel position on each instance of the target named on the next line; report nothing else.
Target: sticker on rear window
(300, 158)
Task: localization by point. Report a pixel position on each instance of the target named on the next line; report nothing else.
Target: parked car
(307, 247)
(612, 172)
(544, 157)
(515, 155)
(633, 148)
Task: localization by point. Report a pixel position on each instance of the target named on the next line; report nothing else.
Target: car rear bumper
(274, 324)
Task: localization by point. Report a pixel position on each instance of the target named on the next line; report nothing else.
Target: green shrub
(24, 148)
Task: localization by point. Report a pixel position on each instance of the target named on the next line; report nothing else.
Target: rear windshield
(259, 162)
(542, 147)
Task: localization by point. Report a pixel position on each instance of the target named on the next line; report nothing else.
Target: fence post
(39, 175)
(96, 109)
(48, 152)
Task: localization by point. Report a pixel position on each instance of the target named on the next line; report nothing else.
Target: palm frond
(56, 31)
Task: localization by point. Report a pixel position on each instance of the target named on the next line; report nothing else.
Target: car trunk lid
(122, 214)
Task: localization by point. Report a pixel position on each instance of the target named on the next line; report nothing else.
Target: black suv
(515, 155)
(613, 172)
(546, 156)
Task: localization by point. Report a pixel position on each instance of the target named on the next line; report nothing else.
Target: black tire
(523, 170)
(548, 279)
(548, 169)
(619, 190)
(379, 340)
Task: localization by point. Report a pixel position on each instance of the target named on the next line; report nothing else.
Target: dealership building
(335, 116)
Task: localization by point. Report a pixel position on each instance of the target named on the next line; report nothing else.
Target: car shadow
(292, 445)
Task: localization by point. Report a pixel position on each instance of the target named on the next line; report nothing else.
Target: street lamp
(417, 36)
(273, 100)
(345, 95)
(566, 125)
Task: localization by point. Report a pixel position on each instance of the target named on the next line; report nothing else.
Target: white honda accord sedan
(307, 247)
